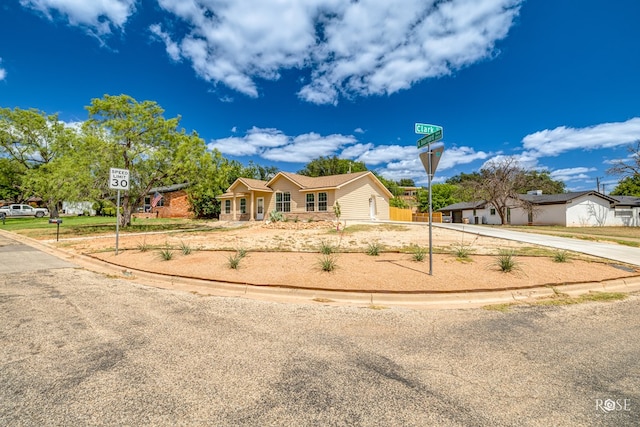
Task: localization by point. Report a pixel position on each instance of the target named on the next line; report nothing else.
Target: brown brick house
(173, 202)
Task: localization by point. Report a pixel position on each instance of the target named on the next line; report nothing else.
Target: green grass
(79, 226)
(143, 247)
(559, 299)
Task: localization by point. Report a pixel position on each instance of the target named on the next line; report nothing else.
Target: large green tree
(126, 134)
(441, 195)
(36, 145)
(324, 166)
(215, 176)
(628, 186)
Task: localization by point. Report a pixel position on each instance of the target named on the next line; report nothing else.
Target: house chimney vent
(535, 192)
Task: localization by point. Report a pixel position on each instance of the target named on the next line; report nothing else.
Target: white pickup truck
(16, 211)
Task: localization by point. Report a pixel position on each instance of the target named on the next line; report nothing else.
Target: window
(623, 213)
(311, 202)
(227, 206)
(243, 206)
(283, 202)
(492, 211)
(322, 202)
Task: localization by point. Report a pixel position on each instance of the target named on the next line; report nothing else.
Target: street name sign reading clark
(430, 159)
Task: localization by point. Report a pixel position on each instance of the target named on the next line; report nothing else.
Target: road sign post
(430, 159)
(118, 180)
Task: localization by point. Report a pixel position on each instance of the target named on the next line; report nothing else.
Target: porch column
(251, 214)
(233, 208)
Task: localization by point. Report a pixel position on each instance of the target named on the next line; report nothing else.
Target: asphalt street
(80, 348)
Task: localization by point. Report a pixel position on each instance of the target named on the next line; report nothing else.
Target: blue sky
(554, 83)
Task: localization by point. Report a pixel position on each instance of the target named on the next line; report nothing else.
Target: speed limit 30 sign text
(119, 179)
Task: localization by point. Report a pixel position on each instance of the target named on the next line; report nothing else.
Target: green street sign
(428, 139)
(425, 129)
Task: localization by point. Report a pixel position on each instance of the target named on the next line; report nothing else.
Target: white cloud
(369, 47)
(272, 144)
(358, 130)
(549, 143)
(572, 174)
(97, 15)
(3, 72)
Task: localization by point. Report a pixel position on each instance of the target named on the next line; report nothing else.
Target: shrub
(275, 216)
(506, 261)
(561, 256)
(186, 249)
(241, 253)
(328, 263)
(234, 261)
(143, 247)
(462, 252)
(166, 254)
(374, 249)
(326, 248)
(419, 254)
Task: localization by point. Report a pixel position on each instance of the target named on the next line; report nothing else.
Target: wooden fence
(399, 214)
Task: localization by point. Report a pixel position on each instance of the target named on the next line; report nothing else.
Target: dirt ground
(288, 254)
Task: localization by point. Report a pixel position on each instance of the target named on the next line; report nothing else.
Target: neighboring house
(168, 202)
(575, 209)
(479, 212)
(78, 208)
(361, 197)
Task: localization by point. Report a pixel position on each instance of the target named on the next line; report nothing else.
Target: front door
(260, 209)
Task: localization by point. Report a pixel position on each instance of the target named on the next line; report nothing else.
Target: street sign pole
(430, 174)
(118, 180)
(118, 220)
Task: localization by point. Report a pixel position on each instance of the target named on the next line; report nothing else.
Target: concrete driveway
(611, 251)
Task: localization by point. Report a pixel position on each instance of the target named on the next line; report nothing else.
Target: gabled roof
(253, 184)
(626, 200)
(464, 205)
(556, 199)
(168, 188)
(308, 183)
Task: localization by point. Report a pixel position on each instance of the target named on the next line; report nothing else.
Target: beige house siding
(355, 202)
(355, 192)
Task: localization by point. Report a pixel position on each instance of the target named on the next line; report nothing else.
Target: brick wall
(176, 205)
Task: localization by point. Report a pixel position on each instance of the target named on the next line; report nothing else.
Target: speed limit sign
(119, 179)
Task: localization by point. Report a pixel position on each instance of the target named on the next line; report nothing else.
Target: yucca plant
(561, 256)
(506, 261)
(374, 249)
(326, 248)
(234, 261)
(419, 254)
(186, 249)
(328, 263)
(166, 254)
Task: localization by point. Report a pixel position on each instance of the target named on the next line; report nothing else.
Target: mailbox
(55, 221)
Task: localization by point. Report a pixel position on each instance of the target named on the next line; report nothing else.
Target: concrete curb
(434, 300)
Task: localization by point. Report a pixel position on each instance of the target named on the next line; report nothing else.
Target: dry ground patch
(287, 254)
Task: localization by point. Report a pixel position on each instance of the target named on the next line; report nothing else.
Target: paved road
(16, 257)
(611, 251)
(79, 348)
